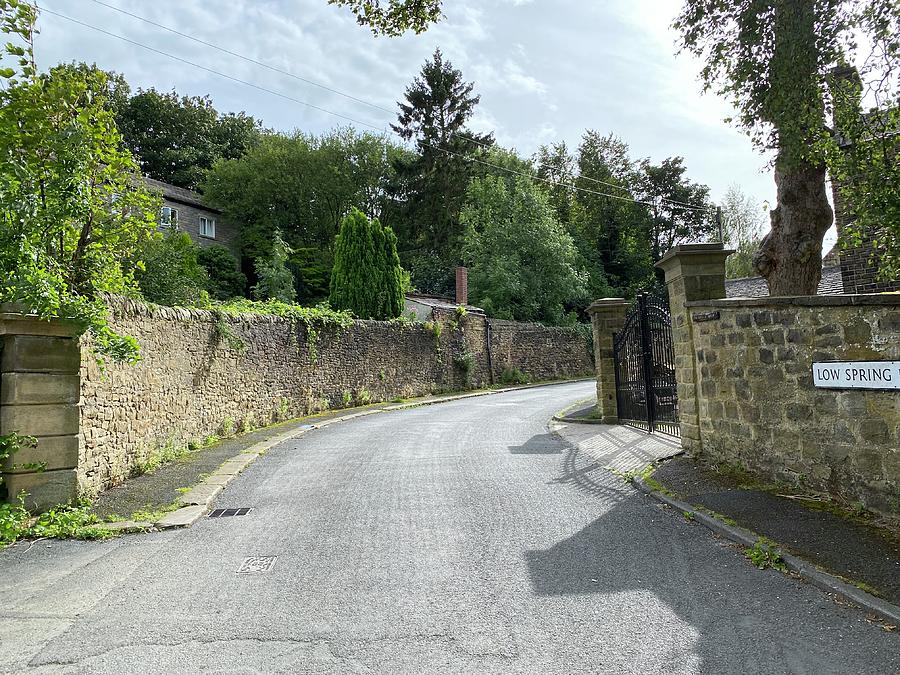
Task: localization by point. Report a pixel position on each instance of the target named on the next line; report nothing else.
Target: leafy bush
(225, 279)
(74, 520)
(512, 375)
(72, 205)
(169, 272)
(275, 280)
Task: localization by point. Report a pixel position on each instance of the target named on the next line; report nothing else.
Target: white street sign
(857, 375)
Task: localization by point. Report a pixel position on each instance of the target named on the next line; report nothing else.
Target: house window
(207, 227)
(168, 217)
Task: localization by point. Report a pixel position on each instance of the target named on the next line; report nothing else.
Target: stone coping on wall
(874, 299)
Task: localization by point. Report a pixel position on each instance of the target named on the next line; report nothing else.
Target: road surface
(456, 538)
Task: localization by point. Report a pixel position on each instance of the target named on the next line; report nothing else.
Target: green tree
(681, 210)
(438, 105)
(72, 206)
(609, 228)
(366, 278)
(393, 17)
(226, 281)
(275, 281)
(742, 228)
(522, 263)
(177, 139)
(556, 165)
(302, 185)
(169, 273)
(116, 92)
(772, 59)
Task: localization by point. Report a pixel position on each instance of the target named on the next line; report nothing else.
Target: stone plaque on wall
(857, 375)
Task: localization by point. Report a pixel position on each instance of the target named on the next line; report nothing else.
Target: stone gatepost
(40, 388)
(693, 272)
(607, 319)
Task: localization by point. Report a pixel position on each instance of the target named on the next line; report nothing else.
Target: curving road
(457, 538)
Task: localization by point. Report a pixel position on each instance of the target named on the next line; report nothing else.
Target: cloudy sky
(546, 70)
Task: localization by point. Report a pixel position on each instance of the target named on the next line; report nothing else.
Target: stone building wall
(757, 407)
(858, 272)
(200, 372)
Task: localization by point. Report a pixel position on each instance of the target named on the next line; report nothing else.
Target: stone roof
(756, 287)
(440, 302)
(177, 194)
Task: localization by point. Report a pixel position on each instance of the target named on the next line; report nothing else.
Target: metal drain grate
(226, 513)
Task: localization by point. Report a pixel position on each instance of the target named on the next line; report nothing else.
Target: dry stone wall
(203, 373)
(757, 405)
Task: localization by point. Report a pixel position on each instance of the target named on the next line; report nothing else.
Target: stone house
(185, 210)
(858, 271)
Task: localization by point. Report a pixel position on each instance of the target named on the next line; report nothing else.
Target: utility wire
(375, 106)
(249, 59)
(352, 119)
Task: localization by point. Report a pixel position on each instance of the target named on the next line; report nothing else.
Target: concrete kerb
(561, 415)
(819, 578)
(196, 502)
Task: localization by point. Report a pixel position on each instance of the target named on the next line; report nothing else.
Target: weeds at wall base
(70, 521)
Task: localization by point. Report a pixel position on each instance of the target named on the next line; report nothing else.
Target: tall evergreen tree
(438, 105)
(366, 278)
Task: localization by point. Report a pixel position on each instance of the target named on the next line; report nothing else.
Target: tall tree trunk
(790, 257)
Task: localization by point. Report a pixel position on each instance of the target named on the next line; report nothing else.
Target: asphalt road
(457, 538)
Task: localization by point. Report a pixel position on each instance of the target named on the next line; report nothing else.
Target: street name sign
(857, 375)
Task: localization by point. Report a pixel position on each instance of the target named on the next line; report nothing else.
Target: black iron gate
(646, 391)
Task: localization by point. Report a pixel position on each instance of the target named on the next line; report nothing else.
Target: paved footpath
(463, 537)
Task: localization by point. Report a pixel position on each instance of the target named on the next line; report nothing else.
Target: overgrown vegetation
(313, 319)
(465, 363)
(74, 520)
(764, 554)
(225, 280)
(275, 280)
(73, 208)
(512, 375)
(168, 271)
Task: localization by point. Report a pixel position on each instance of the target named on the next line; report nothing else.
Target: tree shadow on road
(543, 444)
(651, 567)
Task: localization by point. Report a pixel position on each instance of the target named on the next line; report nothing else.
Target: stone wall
(200, 372)
(757, 405)
(745, 386)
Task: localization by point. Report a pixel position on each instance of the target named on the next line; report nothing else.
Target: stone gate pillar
(693, 272)
(40, 388)
(607, 318)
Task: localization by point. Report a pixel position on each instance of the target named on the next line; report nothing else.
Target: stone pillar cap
(605, 303)
(682, 250)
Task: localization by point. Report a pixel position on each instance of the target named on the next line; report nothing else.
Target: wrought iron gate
(646, 390)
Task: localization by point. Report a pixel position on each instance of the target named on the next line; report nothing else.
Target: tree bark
(790, 256)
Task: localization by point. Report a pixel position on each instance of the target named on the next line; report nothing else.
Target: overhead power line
(341, 115)
(356, 99)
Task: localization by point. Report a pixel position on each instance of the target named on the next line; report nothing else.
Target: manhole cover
(257, 564)
(226, 513)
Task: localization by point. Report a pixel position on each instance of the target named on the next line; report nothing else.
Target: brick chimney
(462, 286)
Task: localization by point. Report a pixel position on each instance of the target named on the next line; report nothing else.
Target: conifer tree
(366, 278)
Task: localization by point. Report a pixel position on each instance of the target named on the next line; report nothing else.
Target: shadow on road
(654, 565)
(543, 444)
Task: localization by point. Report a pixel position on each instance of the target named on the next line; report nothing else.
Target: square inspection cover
(256, 564)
